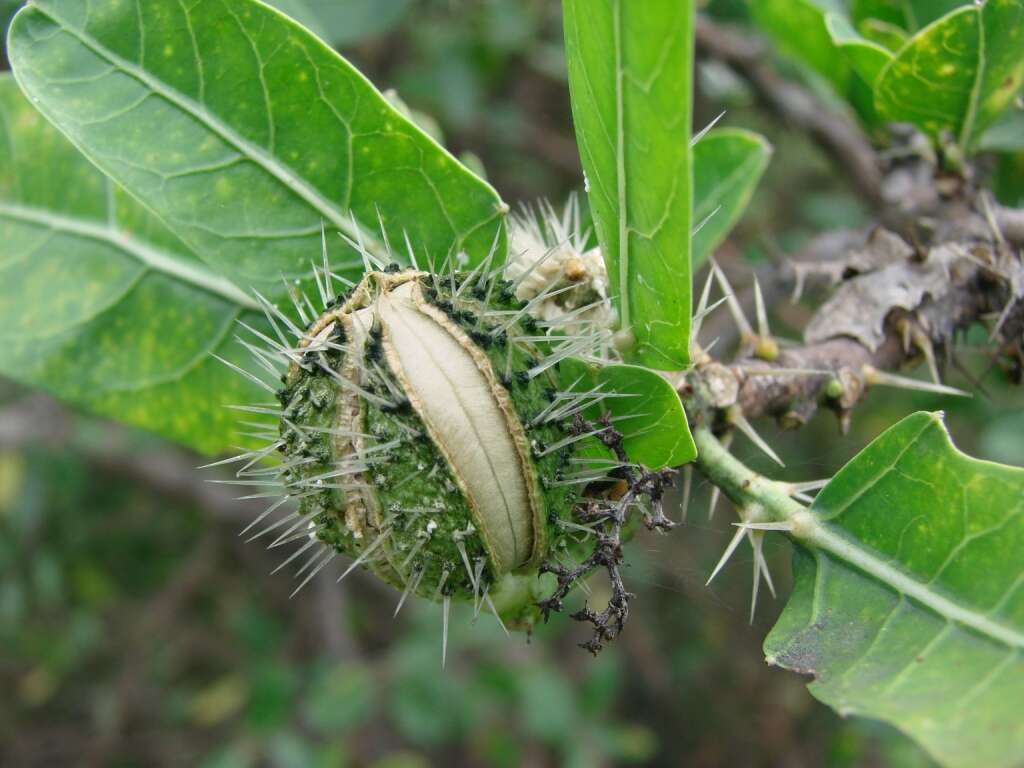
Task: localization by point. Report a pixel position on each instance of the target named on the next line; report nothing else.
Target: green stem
(742, 485)
(761, 500)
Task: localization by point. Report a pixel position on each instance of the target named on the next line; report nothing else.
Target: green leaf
(1008, 179)
(244, 133)
(801, 31)
(1005, 135)
(911, 15)
(868, 59)
(889, 36)
(348, 22)
(798, 29)
(727, 165)
(908, 604)
(630, 79)
(956, 75)
(646, 409)
(103, 306)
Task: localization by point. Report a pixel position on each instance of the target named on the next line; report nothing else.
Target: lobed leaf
(908, 604)
(630, 79)
(100, 303)
(727, 165)
(244, 133)
(958, 74)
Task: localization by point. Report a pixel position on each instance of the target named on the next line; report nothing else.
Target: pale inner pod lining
(460, 408)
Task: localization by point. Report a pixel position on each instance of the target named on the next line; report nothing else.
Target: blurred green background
(138, 629)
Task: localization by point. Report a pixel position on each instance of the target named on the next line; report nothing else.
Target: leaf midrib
(827, 539)
(153, 258)
(620, 169)
(249, 150)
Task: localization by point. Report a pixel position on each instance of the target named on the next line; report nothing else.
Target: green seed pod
(424, 435)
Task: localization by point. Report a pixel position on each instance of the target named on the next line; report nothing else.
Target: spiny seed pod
(424, 434)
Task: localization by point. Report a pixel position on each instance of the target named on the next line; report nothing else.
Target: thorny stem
(970, 281)
(609, 518)
(743, 486)
(771, 499)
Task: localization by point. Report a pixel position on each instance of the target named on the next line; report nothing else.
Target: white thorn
(294, 294)
(763, 329)
(410, 251)
(490, 604)
(705, 220)
(757, 580)
(410, 587)
(705, 293)
(314, 572)
(276, 524)
(269, 510)
(461, 546)
(735, 309)
(320, 286)
(875, 377)
(271, 311)
(328, 275)
(366, 553)
(383, 232)
(784, 525)
(687, 487)
(810, 485)
(295, 555)
(922, 342)
(733, 543)
(440, 584)
(250, 376)
(764, 567)
(704, 131)
(716, 494)
(740, 421)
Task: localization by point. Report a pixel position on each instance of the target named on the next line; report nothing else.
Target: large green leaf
(645, 407)
(957, 74)
(630, 78)
(244, 133)
(100, 303)
(908, 603)
(727, 165)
